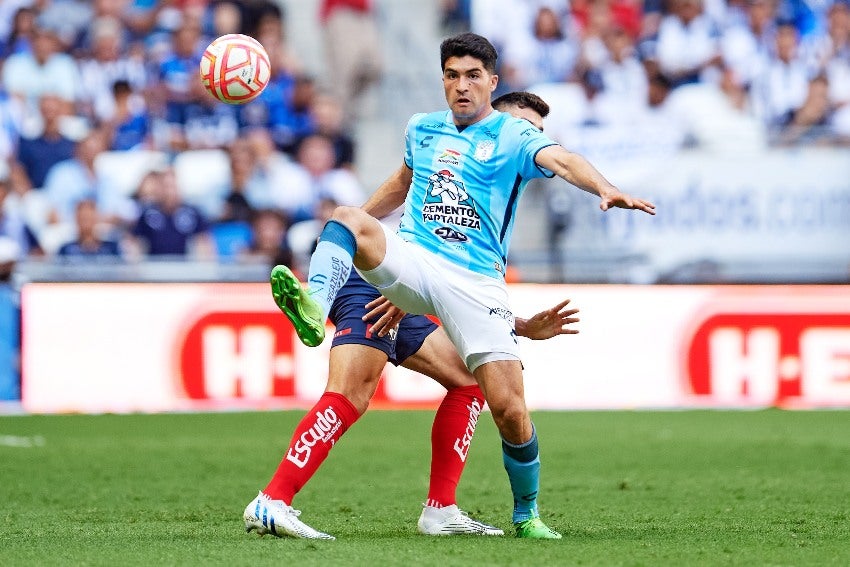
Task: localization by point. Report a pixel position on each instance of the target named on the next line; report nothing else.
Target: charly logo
(447, 202)
(461, 445)
(327, 423)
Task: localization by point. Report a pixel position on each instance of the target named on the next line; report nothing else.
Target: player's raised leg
(501, 381)
(350, 232)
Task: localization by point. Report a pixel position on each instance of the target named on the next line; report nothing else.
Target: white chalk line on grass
(23, 442)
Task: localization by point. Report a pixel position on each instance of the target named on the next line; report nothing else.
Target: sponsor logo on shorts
(461, 445)
(502, 313)
(326, 425)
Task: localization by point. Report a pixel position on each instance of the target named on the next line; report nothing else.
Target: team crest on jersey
(447, 202)
(484, 150)
(449, 157)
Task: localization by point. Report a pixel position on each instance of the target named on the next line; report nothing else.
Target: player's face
(468, 87)
(526, 114)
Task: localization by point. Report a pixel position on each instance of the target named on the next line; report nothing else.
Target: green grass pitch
(625, 488)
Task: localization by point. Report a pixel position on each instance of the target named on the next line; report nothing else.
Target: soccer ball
(235, 68)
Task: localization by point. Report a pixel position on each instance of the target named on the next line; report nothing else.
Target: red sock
(314, 437)
(451, 434)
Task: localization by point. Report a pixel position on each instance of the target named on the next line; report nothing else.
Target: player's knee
(352, 218)
(509, 416)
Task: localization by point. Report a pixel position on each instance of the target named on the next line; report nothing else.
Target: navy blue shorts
(349, 308)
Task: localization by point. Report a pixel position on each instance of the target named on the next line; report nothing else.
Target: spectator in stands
(353, 48)
(687, 49)
(835, 44)
(808, 123)
(109, 62)
(37, 155)
(746, 47)
(129, 126)
(194, 118)
(783, 86)
(150, 19)
(544, 54)
(291, 123)
(21, 36)
(623, 80)
(454, 16)
(832, 57)
(13, 226)
(170, 227)
(75, 179)
(88, 245)
(315, 178)
(625, 14)
(223, 17)
(8, 9)
(262, 18)
(30, 205)
(273, 108)
(29, 75)
(68, 18)
(268, 243)
(329, 122)
(242, 174)
(10, 126)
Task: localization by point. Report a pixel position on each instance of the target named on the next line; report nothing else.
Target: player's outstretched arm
(575, 169)
(548, 323)
(390, 194)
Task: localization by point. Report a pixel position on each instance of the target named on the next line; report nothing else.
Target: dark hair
(523, 99)
(121, 87)
(470, 44)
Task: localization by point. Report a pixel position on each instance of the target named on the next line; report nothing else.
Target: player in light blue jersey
(463, 173)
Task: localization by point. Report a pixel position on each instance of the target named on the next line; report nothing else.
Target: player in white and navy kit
(463, 173)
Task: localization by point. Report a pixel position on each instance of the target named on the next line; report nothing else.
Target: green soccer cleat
(535, 529)
(297, 304)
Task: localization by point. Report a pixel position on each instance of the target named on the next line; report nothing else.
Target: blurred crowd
(778, 66)
(111, 150)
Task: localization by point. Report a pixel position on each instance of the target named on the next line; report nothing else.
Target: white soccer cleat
(450, 520)
(268, 516)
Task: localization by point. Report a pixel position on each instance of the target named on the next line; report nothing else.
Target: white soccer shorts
(472, 307)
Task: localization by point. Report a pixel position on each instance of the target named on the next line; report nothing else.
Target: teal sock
(522, 463)
(330, 264)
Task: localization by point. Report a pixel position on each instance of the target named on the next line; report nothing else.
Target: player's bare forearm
(390, 194)
(548, 323)
(575, 169)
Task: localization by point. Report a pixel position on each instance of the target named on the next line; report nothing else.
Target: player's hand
(549, 323)
(388, 315)
(625, 201)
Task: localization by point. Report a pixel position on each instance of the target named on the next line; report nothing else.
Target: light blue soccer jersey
(466, 185)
